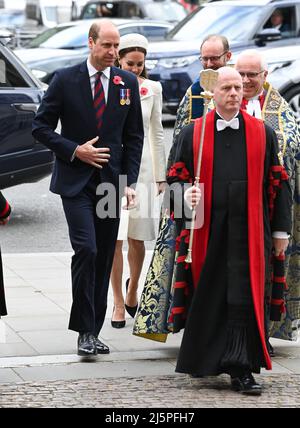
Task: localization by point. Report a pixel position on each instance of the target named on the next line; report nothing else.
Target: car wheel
(293, 98)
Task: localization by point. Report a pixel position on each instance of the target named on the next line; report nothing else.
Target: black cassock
(221, 334)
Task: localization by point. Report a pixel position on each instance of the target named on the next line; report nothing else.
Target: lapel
(87, 96)
(113, 96)
(146, 90)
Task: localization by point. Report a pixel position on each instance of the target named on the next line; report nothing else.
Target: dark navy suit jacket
(69, 98)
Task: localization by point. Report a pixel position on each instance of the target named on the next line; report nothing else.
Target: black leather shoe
(86, 345)
(246, 385)
(196, 376)
(130, 309)
(101, 347)
(271, 350)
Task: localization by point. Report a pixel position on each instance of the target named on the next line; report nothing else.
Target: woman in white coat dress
(138, 224)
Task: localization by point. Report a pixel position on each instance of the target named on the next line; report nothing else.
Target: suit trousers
(93, 241)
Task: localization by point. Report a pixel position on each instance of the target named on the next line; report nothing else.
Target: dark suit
(69, 98)
(4, 213)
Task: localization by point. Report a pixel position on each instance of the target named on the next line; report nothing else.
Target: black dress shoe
(86, 345)
(246, 385)
(101, 347)
(270, 350)
(130, 309)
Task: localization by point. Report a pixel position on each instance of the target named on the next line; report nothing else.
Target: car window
(214, 19)
(11, 19)
(129, 30)
(74, 37)
(284, 20)
(154, 32)
(44, 36)
(168, 11)
(101, 9)
(9, 75)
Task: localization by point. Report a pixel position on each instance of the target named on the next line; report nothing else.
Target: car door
(19, 100)
(289, 27)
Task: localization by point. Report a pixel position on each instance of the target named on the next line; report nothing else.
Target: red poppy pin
(143, 91)
(118, 80)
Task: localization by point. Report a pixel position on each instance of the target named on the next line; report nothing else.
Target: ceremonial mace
(208, 80)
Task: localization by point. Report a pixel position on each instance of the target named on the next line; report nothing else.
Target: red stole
(261, 99)
(255, 147)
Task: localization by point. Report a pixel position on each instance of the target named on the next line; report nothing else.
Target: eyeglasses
(211, 58)
(251, 74)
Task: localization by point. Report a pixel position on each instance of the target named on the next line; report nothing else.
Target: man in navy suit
(101, 139)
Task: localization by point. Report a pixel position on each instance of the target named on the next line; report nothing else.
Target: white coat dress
(139, 223)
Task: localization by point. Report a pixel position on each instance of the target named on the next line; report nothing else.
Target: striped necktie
(99, 100)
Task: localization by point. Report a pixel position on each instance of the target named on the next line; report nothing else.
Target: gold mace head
(208, 81)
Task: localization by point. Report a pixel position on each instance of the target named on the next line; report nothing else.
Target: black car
(246, 23)
(22, 159)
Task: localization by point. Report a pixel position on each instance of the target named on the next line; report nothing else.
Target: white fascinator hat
(133, 40)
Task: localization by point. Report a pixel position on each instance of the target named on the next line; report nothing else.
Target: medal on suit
(122, 97)
(128, 97)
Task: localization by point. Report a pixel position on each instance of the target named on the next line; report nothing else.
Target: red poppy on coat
(179, 170)
(143, 91)
(118, 80)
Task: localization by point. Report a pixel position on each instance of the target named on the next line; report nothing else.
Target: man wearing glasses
(214, 54)
(264, 102)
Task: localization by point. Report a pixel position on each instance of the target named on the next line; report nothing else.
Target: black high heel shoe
(117, 324)
(130, 309)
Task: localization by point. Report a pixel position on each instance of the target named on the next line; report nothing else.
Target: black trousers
(93, 241)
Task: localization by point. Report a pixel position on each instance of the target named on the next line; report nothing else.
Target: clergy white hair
(253, 53)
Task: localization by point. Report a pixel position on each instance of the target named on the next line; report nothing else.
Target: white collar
(236, 114)
(92, 70)
(256, 97)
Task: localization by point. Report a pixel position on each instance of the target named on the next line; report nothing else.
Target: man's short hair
(94, 31)
(216, 37)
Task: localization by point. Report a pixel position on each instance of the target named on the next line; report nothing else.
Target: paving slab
(39, 346)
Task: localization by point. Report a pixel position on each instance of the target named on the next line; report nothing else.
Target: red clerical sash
(256, 147)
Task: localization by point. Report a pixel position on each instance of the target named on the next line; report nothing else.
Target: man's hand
(280, 245)
(192, 196)
(4, 221)
(130, 197)
(93, 156)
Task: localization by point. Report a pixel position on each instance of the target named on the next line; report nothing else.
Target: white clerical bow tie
(233, 123)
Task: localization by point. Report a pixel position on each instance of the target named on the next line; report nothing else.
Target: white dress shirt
(104, 78)
(105, 83)
(253, 107)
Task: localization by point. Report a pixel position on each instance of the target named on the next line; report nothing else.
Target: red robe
(255, 143)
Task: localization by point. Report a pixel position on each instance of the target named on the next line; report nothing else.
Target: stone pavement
(39, 366)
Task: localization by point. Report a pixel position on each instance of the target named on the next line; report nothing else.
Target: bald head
(253, 68)
(228, 92)
(101, 26)
(103, 42)
(227, 73)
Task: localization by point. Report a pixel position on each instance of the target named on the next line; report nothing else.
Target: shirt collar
(236, 115)
(92, 70)
(256, 97)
